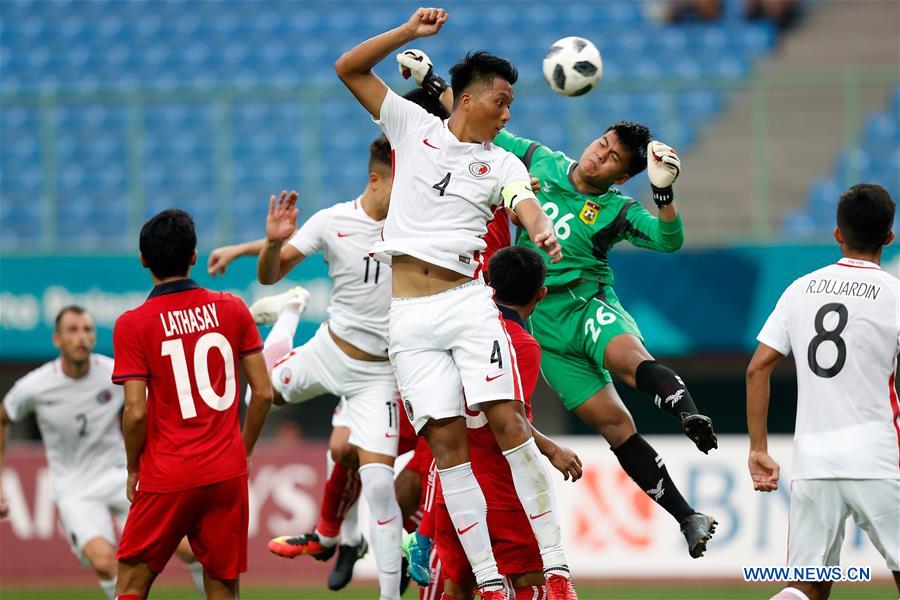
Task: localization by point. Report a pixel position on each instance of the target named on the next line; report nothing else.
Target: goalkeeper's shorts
(574, 326)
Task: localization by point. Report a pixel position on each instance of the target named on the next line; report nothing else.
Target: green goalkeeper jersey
(586, 226)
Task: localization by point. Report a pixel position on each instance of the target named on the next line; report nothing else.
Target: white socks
(109, 587)
(535, 491)
(385, 525)
(279, 341)
(468, 512)
(195, 570)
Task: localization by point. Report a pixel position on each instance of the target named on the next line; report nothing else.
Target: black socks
(647, 469)
(666, 388)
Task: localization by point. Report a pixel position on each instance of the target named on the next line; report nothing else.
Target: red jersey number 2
(174, 349)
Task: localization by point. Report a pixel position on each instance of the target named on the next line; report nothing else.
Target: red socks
(341, 492)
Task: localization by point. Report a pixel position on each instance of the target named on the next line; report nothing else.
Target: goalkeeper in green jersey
(585, 333)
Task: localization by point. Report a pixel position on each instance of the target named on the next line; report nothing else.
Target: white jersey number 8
(175, 350)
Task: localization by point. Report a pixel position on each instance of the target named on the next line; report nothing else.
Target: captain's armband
(516, 191)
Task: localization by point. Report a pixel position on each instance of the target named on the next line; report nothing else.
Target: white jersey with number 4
(842, 323)
(79, 423)
(361, 295)
(444, 190)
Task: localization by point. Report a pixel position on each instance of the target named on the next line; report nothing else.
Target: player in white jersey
(348, 354)
(447, 339)
(77, 408)
(356, 277)
(842, 323)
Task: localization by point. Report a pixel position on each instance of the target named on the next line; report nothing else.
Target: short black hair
(635, 137)
(480, 66)
(517, 274)
(168, 242)
(379, 152)
(865, 216)
(428, 101)
(72, 308)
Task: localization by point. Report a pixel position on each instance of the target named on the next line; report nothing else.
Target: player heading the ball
(447, 340)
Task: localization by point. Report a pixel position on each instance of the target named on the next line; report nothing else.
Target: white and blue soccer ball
(572, 66)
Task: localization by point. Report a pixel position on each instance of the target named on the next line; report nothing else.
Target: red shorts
(214, 517)
(514, 545)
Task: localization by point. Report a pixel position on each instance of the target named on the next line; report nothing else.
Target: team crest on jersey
(104, 396)
(589, 212)
(285, 376)
(409, 410)
(479, 169)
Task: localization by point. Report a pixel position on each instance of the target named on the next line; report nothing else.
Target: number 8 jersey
(842, 323)
(185, 342)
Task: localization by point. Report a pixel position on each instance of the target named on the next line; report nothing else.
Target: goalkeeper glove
(416, 64)
(663, 167)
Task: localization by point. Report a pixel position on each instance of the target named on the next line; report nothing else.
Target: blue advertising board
(709, 301)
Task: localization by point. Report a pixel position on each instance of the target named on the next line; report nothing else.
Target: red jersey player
(517, 278)
(177, 355)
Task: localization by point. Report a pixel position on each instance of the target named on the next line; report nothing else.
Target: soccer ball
(572, 66)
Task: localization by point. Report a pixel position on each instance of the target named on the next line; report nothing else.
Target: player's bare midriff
(352, 351)
(414, 278)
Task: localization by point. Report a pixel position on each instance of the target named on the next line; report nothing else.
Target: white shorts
(451, 350)
(820, 507)
(370, 388)
(341, 416)
(89, 516)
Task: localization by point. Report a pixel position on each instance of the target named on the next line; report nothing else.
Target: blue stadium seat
(180, 46)
(875, 160)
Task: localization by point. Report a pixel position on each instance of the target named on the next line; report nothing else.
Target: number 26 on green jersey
(561, 226)
(593, 325)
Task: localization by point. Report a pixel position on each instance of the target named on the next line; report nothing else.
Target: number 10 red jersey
(185, 342)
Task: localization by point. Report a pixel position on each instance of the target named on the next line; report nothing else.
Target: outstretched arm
(539, 227)
(354, 67)
(276, 258)
(221, 257)
(763, 469)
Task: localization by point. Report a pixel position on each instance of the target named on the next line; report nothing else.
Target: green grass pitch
(679, 591)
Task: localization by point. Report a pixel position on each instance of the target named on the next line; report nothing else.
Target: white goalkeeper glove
(416, 64)
(663, 168)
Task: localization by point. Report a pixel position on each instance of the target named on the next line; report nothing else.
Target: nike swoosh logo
(342, 234)
(462, 531)
(386, 522)
(391, 435)
(426, 142)
(488, 378)
(533, 517)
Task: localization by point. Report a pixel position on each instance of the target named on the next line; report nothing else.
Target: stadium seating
(112, 110)
(875, 159)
